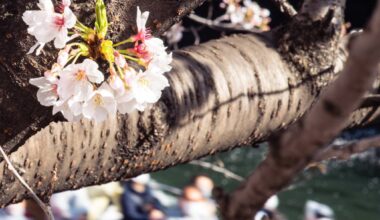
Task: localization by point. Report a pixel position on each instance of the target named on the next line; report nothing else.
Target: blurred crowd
(141, 198)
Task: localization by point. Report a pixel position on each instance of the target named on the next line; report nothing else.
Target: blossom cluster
(75, 85)
(246, 13)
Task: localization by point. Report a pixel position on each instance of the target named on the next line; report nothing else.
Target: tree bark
(21, 115)
(225, 93)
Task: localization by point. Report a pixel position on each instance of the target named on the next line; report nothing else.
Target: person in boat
(318, 211)
(204, 184)
(138, 202)
(195, 206)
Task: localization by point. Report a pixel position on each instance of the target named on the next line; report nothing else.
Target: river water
(351, 189)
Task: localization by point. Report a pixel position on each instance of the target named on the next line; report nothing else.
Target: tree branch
(292, 150)
(371, 100)
(208, 108)
(216, 25)
(345, 151)
(45, 208)
(218, 169)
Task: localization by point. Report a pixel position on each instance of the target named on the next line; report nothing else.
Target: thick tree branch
(208, 108)
(197, 115)
(292, 150)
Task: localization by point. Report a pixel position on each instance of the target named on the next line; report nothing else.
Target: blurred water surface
(351, 189)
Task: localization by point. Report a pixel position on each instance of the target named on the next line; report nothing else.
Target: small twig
(218, 169)
(214, 24)
(370, 101)
(210, 11)
(197, 38)
(345, 151)
(285, 7)
(45, 208)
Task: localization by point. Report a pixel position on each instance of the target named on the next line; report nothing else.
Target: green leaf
(101, 23)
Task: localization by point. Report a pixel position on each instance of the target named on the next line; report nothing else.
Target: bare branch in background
(227, 173)
(220, 26)
(345, 151)
(371, 100)
(45, 207)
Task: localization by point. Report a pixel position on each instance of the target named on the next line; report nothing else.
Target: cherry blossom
(76, 80)
(116, 84)
(235, 12)
(47, 25)
(150, 48)
(63, 56)
(63, 107)
(47, 94)
(147, 87)
(143, 32)
(79, 89)
(126, 103)
(255, 16)
(120, 60)
(247, 14)
(100, 104)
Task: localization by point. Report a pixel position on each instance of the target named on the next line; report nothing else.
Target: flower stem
(68, 60)
(131, 58)
(76, 44)
(129, 40)
(120, 72)
(81, 26)
(126, 52)
(77, 57)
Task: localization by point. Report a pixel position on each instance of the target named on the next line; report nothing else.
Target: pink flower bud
(120, 60)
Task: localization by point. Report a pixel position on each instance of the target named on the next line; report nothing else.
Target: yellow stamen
(80, 75)
(98, 100)
(249, 14)
(144, 82)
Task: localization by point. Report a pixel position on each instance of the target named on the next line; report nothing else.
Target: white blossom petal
(66, 3)
(76, 80)
(46, 25)
(100, 104)
(92, 72)
(141, 19)
(69, 18)
(61, 39)
(147, 87)
(46, 5)
(47, 94)
(62, 106)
